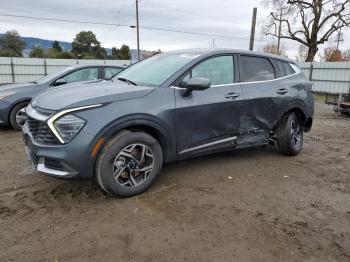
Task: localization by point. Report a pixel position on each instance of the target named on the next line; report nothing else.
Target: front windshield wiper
(126, 81)
(34, 82)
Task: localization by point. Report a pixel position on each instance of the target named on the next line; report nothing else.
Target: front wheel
(18, 115)
(129, 163)
(290, 135)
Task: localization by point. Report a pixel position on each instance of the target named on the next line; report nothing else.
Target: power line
(126, 25)
(64, 20)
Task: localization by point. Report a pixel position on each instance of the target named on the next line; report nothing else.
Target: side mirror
(198, 83)
(60, 82)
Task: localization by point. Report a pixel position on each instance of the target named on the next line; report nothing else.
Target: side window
(220, 70)
(255, 69)
(85, 74)
(282, 68)
(111, 71)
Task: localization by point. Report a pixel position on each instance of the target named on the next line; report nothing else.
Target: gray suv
(169, 107)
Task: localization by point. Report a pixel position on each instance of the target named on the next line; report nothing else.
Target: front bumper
(64, 161)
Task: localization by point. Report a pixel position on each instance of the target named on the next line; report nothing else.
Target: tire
(290, 135)
(121, 175)
(14, 121)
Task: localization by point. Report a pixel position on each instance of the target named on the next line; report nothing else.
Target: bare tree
(302, 53)
(272, 49)
(309, 22)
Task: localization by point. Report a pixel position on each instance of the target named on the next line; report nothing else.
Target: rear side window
(282, 68)
(111, 71)
(255, 69)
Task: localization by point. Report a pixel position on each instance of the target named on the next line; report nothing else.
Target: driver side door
(208, 119)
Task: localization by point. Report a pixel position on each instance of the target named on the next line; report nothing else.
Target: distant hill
(46, 44)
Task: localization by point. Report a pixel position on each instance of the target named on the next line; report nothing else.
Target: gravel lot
(274, 208)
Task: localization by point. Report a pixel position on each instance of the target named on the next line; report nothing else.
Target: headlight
(68, 126)
(6, 94)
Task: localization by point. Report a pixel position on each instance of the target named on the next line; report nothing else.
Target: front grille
(41, 132)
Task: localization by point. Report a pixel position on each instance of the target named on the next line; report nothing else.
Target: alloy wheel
(21, 117)
(133, 165)
(296, 133)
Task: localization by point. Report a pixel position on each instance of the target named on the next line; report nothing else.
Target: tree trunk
(311, 54)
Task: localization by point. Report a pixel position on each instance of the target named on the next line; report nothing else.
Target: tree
(302, 53)
(51, 53)
(56, 46)
(115, 53)
(11, 44)
(100, 53)
(272, 49)
(37, 51)
(65, 55)
(122, 54)
(309, 22)
(85, 44)
(332, 54)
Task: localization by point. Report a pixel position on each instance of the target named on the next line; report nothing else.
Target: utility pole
(279, 32)
(138, 31)
(339, 39)
(252, 31)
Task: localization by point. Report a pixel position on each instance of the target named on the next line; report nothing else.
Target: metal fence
(21, 70)
(328, 77)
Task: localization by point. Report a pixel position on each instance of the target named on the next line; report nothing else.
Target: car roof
(217, 51)
(92, 65)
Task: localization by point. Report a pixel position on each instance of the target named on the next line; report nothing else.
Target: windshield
(51, 76)
(155, 70)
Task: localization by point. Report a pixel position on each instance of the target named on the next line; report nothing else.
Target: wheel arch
(148, 124)
(298, 108)
(15, 104)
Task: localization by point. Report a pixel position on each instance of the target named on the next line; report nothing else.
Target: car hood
(70, 96)
(16, 87)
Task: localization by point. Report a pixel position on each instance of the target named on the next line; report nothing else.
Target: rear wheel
(290, 134)
(18, 115)
(129, 163)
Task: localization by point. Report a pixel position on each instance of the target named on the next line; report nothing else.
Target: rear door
(264, 93)
(210, 118)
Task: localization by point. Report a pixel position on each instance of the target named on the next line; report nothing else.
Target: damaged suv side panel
(267, 100)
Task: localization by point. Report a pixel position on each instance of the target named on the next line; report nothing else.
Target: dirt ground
(274, 208)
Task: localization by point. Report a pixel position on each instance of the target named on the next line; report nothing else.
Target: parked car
(169, 107)
(15, 97)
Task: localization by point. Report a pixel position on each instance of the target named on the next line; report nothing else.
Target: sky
(230, 18)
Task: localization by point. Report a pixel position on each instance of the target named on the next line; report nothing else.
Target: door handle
(282, 91)
(232, 95)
